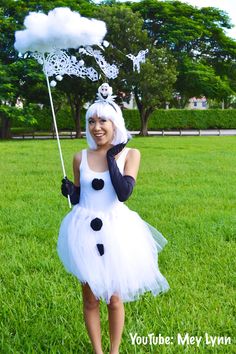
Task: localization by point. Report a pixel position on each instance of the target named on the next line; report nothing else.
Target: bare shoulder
(78, 156)
(132, 163)
(134, 154)
(77, 159)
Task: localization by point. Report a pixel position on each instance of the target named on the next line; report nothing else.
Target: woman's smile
(99, 135)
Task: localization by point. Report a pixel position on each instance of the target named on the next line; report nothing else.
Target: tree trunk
(76, 106)
(144, 123)
(145, 114)
(77, 119)
(5, 129)
(143, 131)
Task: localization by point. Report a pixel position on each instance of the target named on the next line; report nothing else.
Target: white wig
(107, 110)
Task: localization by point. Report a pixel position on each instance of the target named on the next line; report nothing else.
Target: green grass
(186, 189)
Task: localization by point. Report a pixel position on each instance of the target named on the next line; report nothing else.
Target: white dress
(107, 245)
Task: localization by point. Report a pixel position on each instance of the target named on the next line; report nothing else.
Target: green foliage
(186, 29)
(132, 119)
(41, 119)
(194, 36)
(159, 119)
(169, 119)
(153, 86)
(199, 79)
(124, 39)
(8, 88)
(156, 79)
(193, 119)
(21, 117)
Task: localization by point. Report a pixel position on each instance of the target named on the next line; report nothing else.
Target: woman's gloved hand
(116, 149)
(123, 185)
(68, 188)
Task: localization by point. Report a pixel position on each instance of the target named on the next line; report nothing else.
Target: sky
(228, 6)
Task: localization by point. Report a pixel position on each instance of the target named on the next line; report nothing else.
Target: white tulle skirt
(128, 267)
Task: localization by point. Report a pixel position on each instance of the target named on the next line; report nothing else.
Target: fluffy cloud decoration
(61, 29)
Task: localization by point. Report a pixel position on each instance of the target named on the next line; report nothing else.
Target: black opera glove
(123, 185)
(116, 149)
(68, 188)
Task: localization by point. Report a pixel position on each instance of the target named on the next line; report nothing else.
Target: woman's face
(101, 130)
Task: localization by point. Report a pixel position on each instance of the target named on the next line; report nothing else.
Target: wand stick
(55, 125)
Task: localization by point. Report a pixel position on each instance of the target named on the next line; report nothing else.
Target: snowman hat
(105, 107)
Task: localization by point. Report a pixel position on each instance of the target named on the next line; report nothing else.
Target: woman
(110, 249)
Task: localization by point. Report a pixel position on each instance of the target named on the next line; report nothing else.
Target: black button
(97, 184)
(96, 224)
(100, 248)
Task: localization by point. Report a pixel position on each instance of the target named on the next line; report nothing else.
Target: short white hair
(111, 111)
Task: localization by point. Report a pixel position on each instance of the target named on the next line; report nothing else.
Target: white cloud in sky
(61, 29)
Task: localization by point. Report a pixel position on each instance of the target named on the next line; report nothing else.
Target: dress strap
(83, 163)
(121, 159)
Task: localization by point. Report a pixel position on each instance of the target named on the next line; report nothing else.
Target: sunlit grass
(185, 188)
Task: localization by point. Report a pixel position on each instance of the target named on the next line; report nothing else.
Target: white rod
(55, 125)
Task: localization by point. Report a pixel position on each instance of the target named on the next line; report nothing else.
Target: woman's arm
(76, 166)
(123, 184)
(132, 163)
(70, 188)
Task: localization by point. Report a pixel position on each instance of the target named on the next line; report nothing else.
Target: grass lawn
(185, 188)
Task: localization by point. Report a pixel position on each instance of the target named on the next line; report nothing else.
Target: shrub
(184, 119)
(160, 119)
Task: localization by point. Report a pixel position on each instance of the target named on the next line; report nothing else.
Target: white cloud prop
(61, 29)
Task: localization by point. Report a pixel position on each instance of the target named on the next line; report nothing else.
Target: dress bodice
(98, 199)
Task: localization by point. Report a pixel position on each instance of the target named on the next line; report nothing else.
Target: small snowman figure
(105, 93)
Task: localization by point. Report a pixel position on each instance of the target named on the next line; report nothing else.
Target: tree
(153, 86)
(191, 34)
(200, 79)
(9, 93)
(183, 28)
(7, 96)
